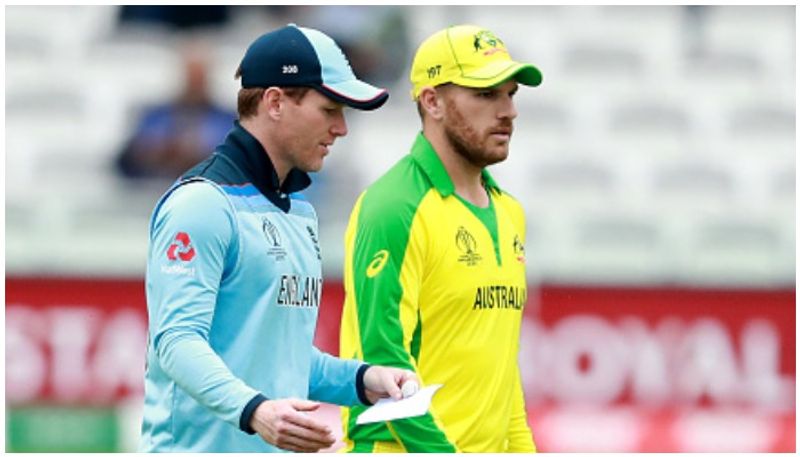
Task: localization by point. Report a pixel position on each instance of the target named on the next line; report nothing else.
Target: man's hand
(381, 382)
(284, 423)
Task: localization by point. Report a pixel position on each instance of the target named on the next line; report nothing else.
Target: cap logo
(485, 39)
(290, 69)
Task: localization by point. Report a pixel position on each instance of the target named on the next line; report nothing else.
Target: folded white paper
(387, 409)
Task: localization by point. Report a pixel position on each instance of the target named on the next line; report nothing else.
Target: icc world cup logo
(271, 232)
(273, 237)
(466, 244)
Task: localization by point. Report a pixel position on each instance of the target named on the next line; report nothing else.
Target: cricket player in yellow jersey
(435, 264)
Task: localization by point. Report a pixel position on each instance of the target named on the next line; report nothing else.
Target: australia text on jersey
(500, 297)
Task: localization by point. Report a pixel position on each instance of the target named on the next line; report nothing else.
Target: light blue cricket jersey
(233, 289)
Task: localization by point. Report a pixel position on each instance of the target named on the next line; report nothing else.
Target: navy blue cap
(299, 56)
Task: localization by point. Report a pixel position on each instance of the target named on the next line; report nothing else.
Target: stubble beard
(466, 142)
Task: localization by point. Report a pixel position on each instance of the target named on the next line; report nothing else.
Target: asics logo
(378, 262)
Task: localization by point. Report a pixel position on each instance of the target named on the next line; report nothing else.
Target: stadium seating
(660, 148)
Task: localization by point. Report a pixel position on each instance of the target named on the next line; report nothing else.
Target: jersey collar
(252, 158)
(423, 153)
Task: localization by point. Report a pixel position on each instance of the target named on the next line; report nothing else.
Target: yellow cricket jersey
(437, 285)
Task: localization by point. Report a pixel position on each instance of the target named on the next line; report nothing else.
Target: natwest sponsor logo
(181, 248)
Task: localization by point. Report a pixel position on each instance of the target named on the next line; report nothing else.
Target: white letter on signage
(71, 332)
(26, 367)
(119, 362)
(593, 339)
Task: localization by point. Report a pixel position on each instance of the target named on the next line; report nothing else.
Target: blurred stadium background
(656, 164)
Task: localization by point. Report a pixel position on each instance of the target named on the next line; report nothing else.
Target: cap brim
(356, 94)
(497, 72)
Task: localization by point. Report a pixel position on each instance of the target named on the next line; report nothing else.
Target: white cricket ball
(409, 388)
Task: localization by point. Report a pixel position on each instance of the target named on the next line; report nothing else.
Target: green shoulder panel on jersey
(387, 210)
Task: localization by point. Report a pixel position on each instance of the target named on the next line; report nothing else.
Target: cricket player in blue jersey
(234, 268)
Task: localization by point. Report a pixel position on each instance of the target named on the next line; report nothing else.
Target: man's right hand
(285, 424)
